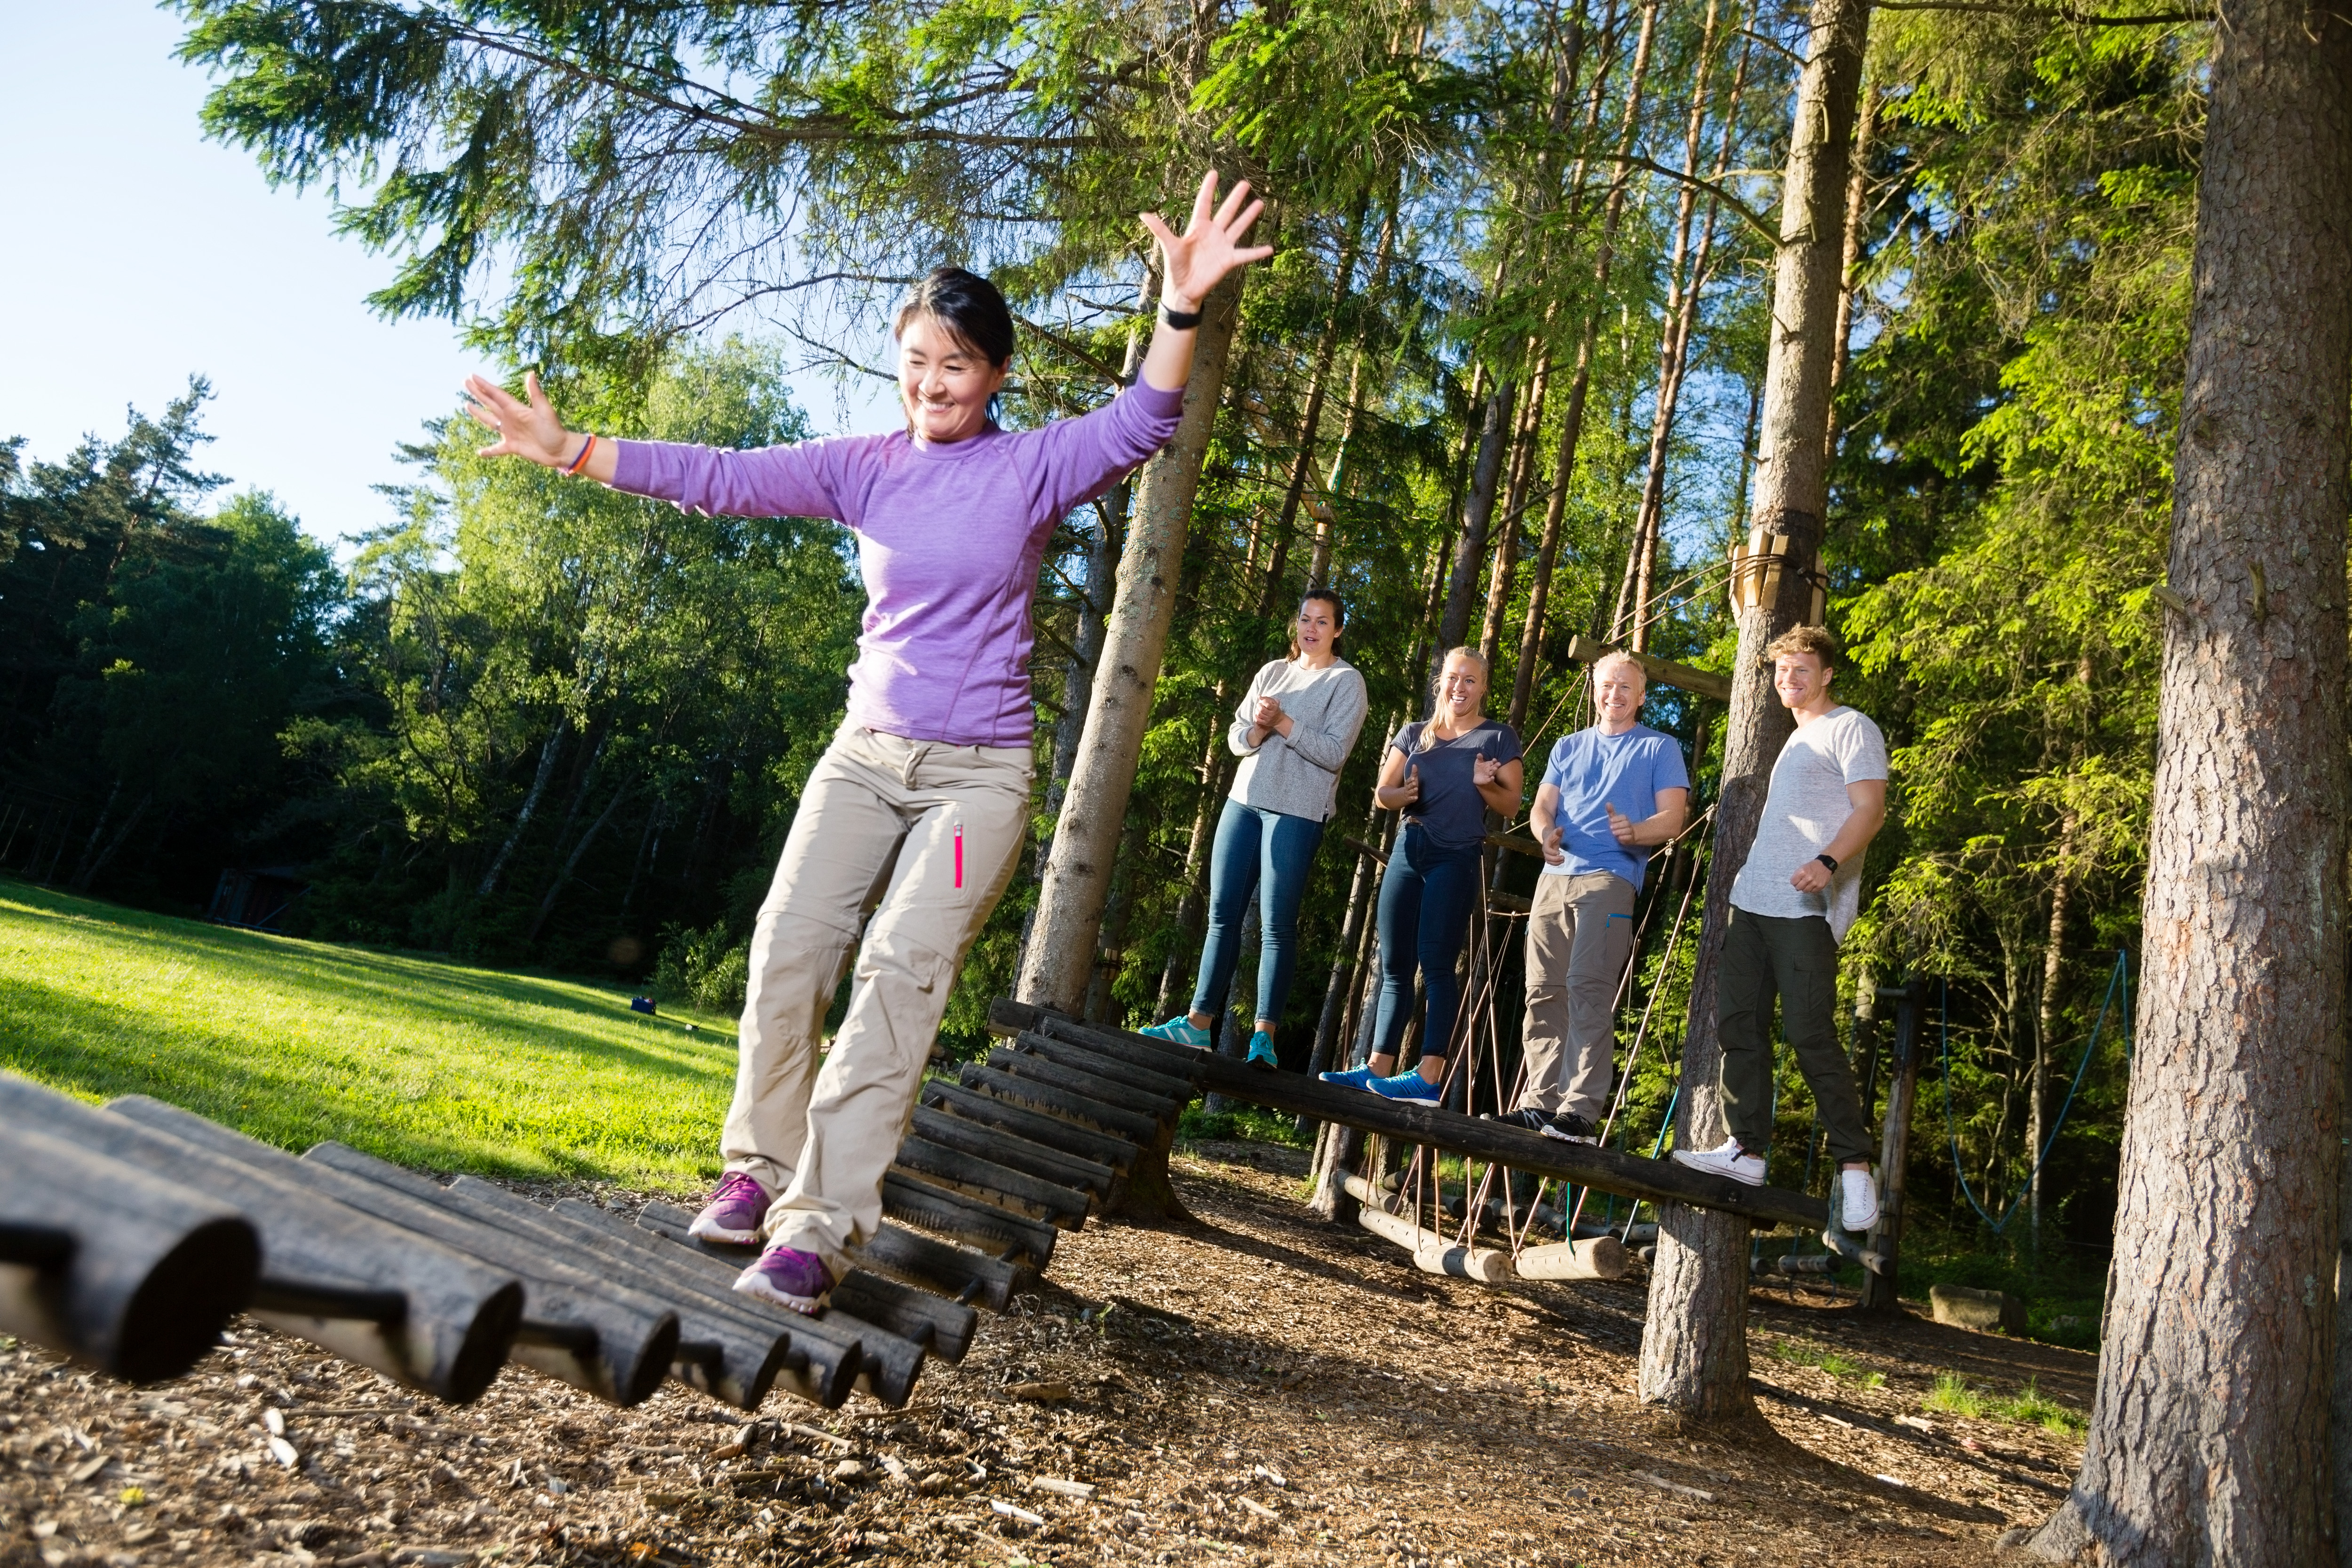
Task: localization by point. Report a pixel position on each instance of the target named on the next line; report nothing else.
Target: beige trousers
(1580, 933)
(914, 842)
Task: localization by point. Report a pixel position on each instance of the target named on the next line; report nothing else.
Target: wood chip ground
(1250, 1388)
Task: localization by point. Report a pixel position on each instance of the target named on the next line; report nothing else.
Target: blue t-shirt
(1450, 810)
(1593, 771)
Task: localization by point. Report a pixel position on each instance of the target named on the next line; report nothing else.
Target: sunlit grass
(2029, 1406)
(1797, 1353)
(430, 1064)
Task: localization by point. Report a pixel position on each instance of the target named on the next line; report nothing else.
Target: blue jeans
(1265, 853)
(1427, 896)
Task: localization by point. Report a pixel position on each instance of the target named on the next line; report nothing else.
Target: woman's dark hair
(969, 306)
(1339, 612)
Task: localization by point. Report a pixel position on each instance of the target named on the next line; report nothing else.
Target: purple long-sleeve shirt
(949, 540)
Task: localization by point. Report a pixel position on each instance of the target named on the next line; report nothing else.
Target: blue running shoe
(1261, 1051)
(1410, 1087)
(1354, 1077)
(1180, 1030)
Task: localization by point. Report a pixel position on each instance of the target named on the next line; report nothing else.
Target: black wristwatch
(1183, 321)
(1827, 861)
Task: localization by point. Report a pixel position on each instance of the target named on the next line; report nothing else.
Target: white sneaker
(1729, 1160)
(1859, 1195)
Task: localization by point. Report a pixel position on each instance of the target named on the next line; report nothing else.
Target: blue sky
(139, 254)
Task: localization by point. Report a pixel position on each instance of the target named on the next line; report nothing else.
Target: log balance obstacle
(129, 1235)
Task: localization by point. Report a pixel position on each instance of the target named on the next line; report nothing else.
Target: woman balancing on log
(919, 806)
(1446, 772)
(1293, 732)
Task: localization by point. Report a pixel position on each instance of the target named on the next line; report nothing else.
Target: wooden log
(1087, 1056)
(1432, 1253)
(1151, 1108)
(457, 1319)
(916, 1201)
(1068, 1105)
(595, 1334)
(1603, 1257)
(1881, 1254)
(747, 1347)
(1055, 1165)
(1011, 1020)
(1583, 1164)
(1662, 671)
(1146, 1192)
(872, 1300)
(111, 1267)
(977, 1177)
(989, 1110)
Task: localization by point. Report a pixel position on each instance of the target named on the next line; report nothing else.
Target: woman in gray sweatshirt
(1293, 731)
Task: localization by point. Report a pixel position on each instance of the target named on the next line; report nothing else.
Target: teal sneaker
(1178, 1030)
(1409, 1088)
(1354, 1077)
(1261, 1051)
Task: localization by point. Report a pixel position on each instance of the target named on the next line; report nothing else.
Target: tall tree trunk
(1075, 878)
(1695, 1352)
(2053, 967)
(2208, 1439)
(1310, 418)
(571, 861)
(1318, 575)
(1478, 513)
(1504, 576)
(547, 755)
(1857, 207)
(1571, 425)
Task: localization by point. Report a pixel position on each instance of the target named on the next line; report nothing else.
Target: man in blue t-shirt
(1608, 794)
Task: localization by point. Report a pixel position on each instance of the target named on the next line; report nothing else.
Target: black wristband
(1183, 321)
(1827, 861)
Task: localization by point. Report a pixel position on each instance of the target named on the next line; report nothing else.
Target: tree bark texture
(2208, 1439)
(1695, 1351)
(1075, 878)
(1477, 514)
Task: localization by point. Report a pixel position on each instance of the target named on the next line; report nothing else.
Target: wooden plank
(977, 1177)
(921, 1203)
(1058, 1166)
(1093, 1086)
(1664, 671)
(988, 1110)
(1055, 1100)
(1090, 1055)
(1606, 1170)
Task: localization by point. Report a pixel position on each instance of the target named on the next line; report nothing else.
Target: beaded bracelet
(581, 461)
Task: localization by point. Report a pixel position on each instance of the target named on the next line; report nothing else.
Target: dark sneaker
(796, 1280)
(1261, 1051)
(733, 1213)
(1570, 1128)
(1530, 1119)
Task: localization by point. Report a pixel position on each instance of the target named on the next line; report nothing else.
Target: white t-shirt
(1802, 812)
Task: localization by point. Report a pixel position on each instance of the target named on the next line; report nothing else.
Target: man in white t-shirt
(1792, 904)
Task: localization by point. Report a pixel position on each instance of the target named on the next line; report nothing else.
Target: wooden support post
(1878, 1282)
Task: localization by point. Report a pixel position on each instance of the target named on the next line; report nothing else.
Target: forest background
(1499, 386)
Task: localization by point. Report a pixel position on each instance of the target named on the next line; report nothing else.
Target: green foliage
(707, 969)
(2029, 1406)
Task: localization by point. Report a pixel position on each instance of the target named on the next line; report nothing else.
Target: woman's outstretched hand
(529, 430)
(1197, 260)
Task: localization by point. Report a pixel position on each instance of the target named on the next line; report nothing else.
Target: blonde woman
(1445, 774)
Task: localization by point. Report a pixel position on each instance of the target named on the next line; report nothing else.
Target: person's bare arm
(1190, 265)
(1659, 827)
(1394, 789)
(1545, 819)
(1868, 797)
(526, 427)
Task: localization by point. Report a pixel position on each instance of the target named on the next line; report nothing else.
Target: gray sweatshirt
(1298, 774)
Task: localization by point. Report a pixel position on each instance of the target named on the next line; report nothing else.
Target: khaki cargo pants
(914, 842)
(1580, 932)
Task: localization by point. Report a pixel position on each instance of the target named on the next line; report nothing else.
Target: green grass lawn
(428, 1063)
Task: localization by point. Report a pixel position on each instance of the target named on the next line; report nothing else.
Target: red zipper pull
(958, 855)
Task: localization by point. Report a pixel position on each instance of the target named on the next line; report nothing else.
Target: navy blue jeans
(1427, 896)
(1265, 853)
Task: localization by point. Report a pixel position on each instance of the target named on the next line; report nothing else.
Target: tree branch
(2049, 13)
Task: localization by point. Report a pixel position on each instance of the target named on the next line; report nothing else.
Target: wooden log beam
(1664, 671)
(597, 1335)
(1432, 1253)
(1054, 1099)
(1605, 1169)
(1152, 1080)
(457, 1319)
(1064, 1169)
(963, 1274)
(976, 1176)
(756, 1345)
(113, 1268)
(989, 1110)
(1603, 1257)
(1150, 1110)
(917, 1202)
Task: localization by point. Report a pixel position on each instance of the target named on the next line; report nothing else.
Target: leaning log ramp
(129, 1235)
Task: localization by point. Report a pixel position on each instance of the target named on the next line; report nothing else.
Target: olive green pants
(1796, 958)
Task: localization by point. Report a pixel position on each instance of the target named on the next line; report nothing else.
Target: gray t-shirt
(1298, 774)
(1802, 812)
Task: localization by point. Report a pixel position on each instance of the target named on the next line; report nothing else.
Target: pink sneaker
(796, 1280)
(733, 1213)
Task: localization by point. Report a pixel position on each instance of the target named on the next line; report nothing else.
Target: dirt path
(1251, 1388)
